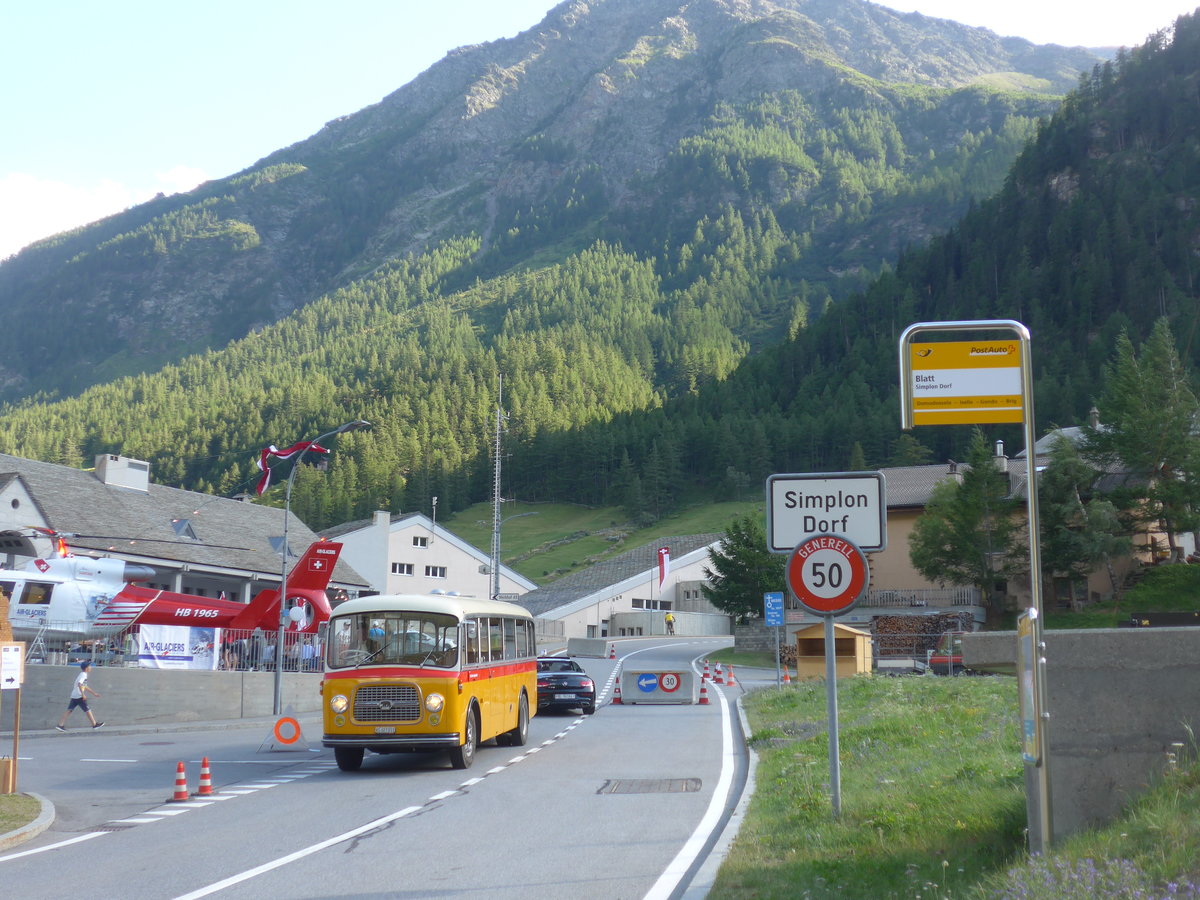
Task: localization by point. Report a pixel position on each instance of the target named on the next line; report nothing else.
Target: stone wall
(135, 696)
(1119, 700)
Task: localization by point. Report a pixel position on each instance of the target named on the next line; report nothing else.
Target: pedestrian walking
(79, 693)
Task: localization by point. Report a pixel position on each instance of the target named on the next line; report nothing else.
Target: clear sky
(104, 104)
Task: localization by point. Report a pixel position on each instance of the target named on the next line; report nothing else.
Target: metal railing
(936, 598)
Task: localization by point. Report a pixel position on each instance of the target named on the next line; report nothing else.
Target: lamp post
(287, 514)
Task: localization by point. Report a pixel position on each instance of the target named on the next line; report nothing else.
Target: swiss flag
(664, 564)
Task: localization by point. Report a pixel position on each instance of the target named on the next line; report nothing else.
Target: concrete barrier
(597, 647)
(1119, 700)
(133, 696)
(658, 686)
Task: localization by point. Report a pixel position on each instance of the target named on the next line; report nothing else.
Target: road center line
(299, 854)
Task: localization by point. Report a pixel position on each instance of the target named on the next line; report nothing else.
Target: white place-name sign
(847, 504)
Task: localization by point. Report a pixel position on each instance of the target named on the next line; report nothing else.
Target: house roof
(912, 486)
(608, 573)
(161, 522)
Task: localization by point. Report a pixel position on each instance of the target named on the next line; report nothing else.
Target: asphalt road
(628, 803)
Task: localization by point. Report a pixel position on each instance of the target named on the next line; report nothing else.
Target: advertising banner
(177, 647)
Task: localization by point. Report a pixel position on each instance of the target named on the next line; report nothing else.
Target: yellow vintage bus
(407, 673)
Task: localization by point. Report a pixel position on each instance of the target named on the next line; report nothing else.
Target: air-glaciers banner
(177, 647)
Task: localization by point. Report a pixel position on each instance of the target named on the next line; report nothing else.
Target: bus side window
(522, 640)
(471, 639)
(510, 638)
(496, 633)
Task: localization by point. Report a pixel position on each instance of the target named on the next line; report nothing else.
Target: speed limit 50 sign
(828, 574)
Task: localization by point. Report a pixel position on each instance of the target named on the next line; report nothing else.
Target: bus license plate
(385, 729)
(564, 696)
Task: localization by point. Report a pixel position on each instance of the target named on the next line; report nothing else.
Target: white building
(621, 596)
(411, 554)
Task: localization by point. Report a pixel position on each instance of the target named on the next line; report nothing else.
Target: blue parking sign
(773, 608)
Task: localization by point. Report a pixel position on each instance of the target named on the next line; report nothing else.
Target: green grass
(931, 787)
(544, 541)
(756, 659)
(1165, 588)
(933, 804)
(17, 810)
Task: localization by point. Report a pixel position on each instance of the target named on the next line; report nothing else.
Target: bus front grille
(387, 703)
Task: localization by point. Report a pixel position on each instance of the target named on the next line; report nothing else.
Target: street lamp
(287, 514)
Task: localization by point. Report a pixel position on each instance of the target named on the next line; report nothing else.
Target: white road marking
(74, 840)
(677, 869)
(299, 854)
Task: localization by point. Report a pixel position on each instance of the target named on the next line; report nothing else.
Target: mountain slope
(627, 120)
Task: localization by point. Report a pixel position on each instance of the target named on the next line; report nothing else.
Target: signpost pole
(778, 674)
(945, 402)
(828, 575)
(831, 704)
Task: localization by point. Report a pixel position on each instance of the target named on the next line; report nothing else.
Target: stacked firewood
(914, 635)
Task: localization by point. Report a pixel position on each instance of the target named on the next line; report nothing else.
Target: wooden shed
(852, 649)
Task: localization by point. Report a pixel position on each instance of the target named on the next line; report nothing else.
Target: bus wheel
(462, 757)
(520, 735)
(349, 759)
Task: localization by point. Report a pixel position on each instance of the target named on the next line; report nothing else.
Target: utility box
(658, 686)
(852, 651)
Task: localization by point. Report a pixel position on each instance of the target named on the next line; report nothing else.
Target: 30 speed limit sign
(827, 574)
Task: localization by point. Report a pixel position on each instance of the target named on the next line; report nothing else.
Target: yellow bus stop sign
(966, 382)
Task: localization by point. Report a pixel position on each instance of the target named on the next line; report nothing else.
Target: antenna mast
(495, 560)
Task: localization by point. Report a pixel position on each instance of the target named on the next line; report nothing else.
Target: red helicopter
(69, 597)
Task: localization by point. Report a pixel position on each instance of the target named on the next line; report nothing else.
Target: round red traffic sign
(827, 573)
(669, 682)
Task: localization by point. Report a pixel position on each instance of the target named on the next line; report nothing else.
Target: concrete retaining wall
(133, 696)
(1118, 699)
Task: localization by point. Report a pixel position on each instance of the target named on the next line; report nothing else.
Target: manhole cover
(650, 786)
(113, 826)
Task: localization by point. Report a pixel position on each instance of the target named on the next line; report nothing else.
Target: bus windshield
(393, 638)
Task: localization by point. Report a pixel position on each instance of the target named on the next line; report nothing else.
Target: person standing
(79, 692)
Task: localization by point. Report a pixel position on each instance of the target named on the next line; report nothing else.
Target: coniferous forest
(741, 319)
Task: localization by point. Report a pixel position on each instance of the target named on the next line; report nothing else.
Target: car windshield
(558, 665)
(393, 638)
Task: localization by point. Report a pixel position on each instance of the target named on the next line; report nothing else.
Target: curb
(43, 821)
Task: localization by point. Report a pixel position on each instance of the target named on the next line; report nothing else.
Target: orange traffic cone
(730, 681)
(181, 791)
(787, 679)
(706, 675)
(617, 694)
(205, 780)
(703, 690)
(612, 651)
(719, 678)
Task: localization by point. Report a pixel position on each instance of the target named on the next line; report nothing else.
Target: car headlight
(434, 702)
(339, 703)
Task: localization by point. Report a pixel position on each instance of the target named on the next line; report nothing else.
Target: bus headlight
(338, 703)
(435, 702)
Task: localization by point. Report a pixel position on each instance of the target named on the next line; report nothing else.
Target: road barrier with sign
(673, 686)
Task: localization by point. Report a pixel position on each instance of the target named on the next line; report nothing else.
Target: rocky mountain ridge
(562, 134)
